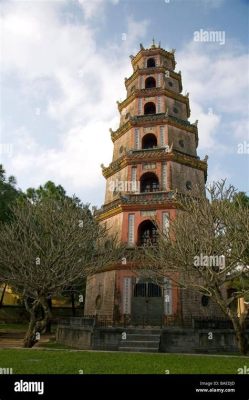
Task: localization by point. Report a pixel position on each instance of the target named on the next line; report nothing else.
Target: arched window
(149, 108)
(149, 141)
(149, 182)
(98, 302)
(140, 290)
(147, 233)
(151, 63)
(154, 290)
(147, 289)
(150, 83)
(204, 301)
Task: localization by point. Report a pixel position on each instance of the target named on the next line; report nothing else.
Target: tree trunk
(3, 293)
(73, 305)
(242, 341)
(48, 327)
(240, 333)
(37, 324)
(30, 337)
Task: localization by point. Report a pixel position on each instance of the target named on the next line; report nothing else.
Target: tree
(52, 191)
(48, 190)
(45, 249)
(8, 194)
(206, 249)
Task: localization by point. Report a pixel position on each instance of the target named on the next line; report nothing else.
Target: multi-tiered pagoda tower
(154, 155)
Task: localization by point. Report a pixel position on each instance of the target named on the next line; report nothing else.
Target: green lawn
(93, 362)
(10, 327)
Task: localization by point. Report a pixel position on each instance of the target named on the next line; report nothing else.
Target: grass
(41, 361)
(17, 327)
(53, 345)
(13, 327)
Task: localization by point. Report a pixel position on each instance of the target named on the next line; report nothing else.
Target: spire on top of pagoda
(153, 46)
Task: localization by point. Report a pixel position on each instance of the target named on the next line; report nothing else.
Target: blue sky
(63, 65)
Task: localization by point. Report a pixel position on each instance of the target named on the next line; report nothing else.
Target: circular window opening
(170, 83)
(181, 143)
(127, 115)
(98, 302)
(121, 149)
(204, 301)
(188, 185)
(175, 110)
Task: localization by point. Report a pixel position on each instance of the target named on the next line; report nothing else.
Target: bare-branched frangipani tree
(206, 249)
(48, 247)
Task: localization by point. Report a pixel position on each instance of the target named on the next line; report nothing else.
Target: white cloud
(208, 123)
(93, 8)
(217, 172)
(240, 129)
(35, 43)
(47, 54)
(217, 88)
(72, 163)
(84, 83)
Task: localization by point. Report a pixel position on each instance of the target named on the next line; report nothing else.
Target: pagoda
(154, 155)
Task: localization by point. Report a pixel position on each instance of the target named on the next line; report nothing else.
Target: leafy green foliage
(8, 195)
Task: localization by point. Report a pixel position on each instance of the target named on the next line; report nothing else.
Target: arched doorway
(149, 183)
(147, 233)
(147, 303)
(149, 141)
(150, 83)
(149, 108)
(151, 63)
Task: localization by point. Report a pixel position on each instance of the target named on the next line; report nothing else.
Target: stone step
(136, 331)
(139, 349)
(141, 343)
(141, 340)
(139, 336)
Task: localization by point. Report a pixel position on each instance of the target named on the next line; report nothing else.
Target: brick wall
(101, 286)
(181, 174)
(192, 306)
(188, 138)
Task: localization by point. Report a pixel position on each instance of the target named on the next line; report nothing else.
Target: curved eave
(156, 157)
(148, 71)
(134, 207)
(155, 92)
(152, 52)
(159, 119)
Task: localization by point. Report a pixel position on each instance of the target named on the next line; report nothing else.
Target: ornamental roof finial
(153, 43)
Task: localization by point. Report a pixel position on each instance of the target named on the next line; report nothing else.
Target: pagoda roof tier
(137, 202)
(153, 70)
(156, 155)
(153, 51)
(155, 119)
(154, 92)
